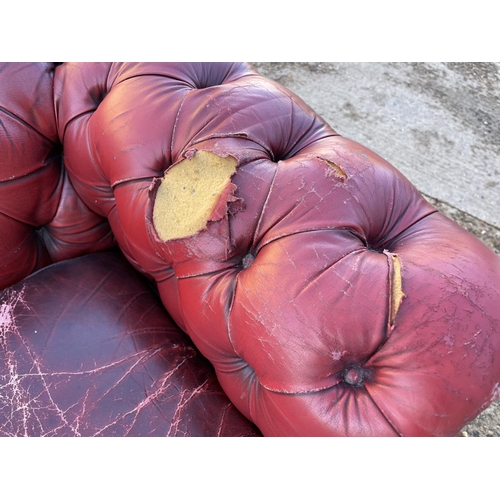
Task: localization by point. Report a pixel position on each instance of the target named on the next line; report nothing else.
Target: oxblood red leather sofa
(329, 297)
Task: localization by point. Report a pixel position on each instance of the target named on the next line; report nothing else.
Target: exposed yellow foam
(189, 193)
(397, 288)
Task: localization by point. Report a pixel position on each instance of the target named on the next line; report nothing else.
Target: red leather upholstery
(330, 297)
(87, 349)
(42, 220)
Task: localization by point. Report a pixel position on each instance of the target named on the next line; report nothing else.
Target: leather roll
(330, 297)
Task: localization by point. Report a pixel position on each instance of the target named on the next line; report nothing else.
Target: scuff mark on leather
(7, 313)
(335, 170)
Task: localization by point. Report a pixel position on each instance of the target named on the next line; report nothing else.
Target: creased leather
(334, 300)
(42, 219)
(87, 349)
(329, 296)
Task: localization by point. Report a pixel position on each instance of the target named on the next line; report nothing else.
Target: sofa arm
(330, 297)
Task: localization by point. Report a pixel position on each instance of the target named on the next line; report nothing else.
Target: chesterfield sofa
(190, 250)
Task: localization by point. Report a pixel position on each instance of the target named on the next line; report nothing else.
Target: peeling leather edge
(396, 293)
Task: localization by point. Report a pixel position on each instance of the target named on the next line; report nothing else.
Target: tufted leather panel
(87, 349)
(330, 297)
(42, 219)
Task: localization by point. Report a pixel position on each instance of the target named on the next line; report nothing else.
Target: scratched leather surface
(87, 349)
(295, 294)
(42, 219)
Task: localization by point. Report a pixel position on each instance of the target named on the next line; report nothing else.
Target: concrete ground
(438, 123)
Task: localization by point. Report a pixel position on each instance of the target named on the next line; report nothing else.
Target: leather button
(247, 260)
(354, 375)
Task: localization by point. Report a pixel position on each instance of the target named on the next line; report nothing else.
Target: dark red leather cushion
(87, 349)
(331, 298)
(42, 220)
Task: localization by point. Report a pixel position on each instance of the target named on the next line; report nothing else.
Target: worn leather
(330, 297)
(87, 349)
(42, 219)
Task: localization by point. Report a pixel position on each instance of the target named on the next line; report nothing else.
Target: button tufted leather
(42, 219)
(330, 297)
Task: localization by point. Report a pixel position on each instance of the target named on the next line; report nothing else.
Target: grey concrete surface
(438, 123)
